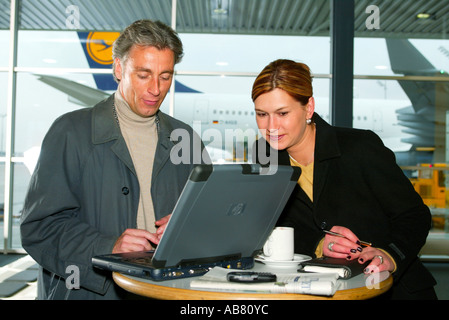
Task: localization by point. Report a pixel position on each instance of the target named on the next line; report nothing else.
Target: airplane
(424, 119)
(215, 115)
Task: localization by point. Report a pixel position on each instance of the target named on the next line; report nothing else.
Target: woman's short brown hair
(293, 77)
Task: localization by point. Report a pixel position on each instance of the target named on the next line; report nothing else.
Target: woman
(350, 184)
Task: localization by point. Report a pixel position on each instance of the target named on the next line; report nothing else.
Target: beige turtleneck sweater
(141, 138)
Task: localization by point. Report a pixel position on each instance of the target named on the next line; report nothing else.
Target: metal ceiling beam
(256, 17)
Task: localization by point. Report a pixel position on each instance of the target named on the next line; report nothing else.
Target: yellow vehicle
(430, 184)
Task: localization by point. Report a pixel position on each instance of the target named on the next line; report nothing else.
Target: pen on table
(363, 243)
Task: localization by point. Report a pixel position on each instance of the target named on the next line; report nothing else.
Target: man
(105, 181)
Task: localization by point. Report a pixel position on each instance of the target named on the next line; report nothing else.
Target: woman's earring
(309, 121)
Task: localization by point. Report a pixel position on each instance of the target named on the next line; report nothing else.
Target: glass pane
(50, 49)
(4, 44)
(3, 97)
(3, 101)
(411, 116)
(42, 98)
(220, 109)
(377, 104)
(66, 49)
(247, 53)
(379, 56)
(21, 178)
(2, 192)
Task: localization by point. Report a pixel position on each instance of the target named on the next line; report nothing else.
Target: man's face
(145, 78)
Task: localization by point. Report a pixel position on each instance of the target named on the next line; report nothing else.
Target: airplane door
(377, 121)
(201, 111)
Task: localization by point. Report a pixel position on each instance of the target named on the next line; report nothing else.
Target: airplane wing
(78, 93)
(87, 96)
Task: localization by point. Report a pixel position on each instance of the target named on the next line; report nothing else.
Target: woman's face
(282, 119)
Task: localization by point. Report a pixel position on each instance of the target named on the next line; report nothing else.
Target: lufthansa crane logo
(99, 46)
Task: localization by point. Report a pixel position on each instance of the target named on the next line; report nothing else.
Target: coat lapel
(105, 129)
(164, 145)
(326, 148)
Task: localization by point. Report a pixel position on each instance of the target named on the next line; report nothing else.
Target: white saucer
(297, 259)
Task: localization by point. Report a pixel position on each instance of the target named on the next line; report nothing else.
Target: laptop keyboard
(145, 261)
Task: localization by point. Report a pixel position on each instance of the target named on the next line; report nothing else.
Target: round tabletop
(356, 288)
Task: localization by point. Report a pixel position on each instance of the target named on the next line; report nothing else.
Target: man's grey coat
(84, 194)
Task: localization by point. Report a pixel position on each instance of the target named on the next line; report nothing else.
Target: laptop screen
(224, 212)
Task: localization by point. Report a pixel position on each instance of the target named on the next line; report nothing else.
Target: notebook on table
(222, 218)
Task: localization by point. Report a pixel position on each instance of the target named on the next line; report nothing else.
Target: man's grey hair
(146, 33)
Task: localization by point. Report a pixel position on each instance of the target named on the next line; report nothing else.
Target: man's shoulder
(83, 113)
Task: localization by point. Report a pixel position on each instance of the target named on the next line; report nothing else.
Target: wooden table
(351, 289)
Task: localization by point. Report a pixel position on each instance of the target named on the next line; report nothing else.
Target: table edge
(168, 293)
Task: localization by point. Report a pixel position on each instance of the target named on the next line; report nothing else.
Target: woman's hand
(380, 261)
(349, 248)
(337, 247)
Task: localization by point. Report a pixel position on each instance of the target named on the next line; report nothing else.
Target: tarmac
(18, 277)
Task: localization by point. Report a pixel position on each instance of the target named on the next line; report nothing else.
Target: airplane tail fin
(97, 47)
(406, 59)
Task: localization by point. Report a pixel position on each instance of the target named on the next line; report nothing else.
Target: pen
(363, 243)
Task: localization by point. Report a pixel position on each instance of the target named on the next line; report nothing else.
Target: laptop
(223, 217)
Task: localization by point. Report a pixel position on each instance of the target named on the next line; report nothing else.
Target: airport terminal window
(234, 61)
(21, 178)
(228, 63)
(40, 100)
(2, 192)
(410, 115)
(4, 43)
(3, 98)
(250, 53)
(50, 49)
(218, 105)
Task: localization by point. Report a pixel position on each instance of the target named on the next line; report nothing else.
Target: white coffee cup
(280, 244)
